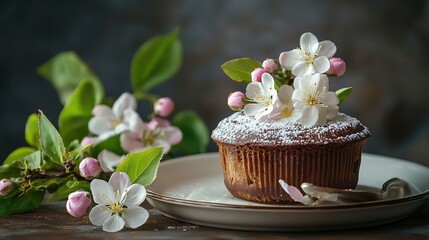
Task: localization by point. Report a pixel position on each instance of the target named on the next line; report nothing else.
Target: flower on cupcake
(293, 89)
(312, 57)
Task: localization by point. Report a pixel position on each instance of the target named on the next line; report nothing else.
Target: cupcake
(288, 125)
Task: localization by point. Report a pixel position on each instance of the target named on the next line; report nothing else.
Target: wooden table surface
(52, 221)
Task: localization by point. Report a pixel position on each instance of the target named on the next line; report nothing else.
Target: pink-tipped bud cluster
(270, 65)
(6, 186)
(337, 68)
(78, 203)
(257, 74)
(236, 100)
(89, 168)
(164, 106)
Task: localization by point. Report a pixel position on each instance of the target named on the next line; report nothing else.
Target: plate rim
(194, 203)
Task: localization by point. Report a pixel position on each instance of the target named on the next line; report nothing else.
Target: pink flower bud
(88, 140)
(6, 186)
(257, 74)
(337, 68)
(235, 101)
(164, 106)
(270, 65)
(156, 123)
(89, 168)
(78, 203)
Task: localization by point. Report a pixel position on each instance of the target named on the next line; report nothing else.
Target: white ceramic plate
(191, 189)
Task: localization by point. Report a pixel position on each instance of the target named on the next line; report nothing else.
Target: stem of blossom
(146, 96)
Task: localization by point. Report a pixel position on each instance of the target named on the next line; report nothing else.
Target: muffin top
(241, 129)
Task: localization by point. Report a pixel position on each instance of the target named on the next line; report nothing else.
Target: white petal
(135, 216)
(330, 99)
(133, 120)
(299, 96)
(268, 84)
(323, 115)
(291, 58)
(285, 93)
(308, 42)
(303, 68)
(296, 82)
(327, 49)
(125, 101)
(102, 111)
(173, 135)
(100, 125)
(264, 115)
(299, 105)
(113, 223)
(321, 64)
(332, 112)
(293, 192)
(107, 135)
(253, 89)
(130, 141)
(323, 82)
(309, 116)
(99, 215)
(102, 192)
(108, 160)
(136, 194)
(252, 109)
(119, 181)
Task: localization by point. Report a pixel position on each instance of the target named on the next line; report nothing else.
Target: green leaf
(33, 161)
(65, 71)
(142, 167)
(10, 170)
(156, 60)
(195, 133)
(49, 184)
(74, 118)
(18, 154)
(343, 93)
(21, 203)
(32, 130)
(111, 144)
(51, 142)
(64, 191)
(240, 69)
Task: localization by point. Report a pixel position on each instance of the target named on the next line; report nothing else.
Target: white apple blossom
(283, 110)
(312, 57)
(144, 136)
(312, 98)
(118, 203)
(262, 95)
(111, 121)
(109, 161)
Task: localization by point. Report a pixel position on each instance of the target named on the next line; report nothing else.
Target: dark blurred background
(384, 43)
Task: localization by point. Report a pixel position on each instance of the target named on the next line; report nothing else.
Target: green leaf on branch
(18, 154)
(142, 167)
(10, 170)
(65, 71)
(33, 161)
(64, 191)
(20, 203)
(51, 142)
(343, 93)
(195, 133)
(240, 69)
(156, 60)
(32, 130)
(74, 118)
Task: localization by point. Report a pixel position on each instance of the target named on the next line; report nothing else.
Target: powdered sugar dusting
(242, 129)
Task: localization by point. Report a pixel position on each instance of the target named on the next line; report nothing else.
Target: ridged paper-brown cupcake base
(252, 172)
